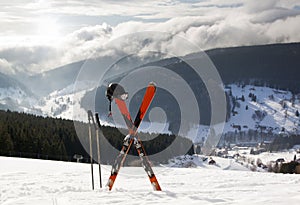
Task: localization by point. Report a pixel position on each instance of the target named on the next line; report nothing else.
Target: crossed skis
(132, 138)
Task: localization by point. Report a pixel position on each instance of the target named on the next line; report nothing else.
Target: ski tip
(155, 186)
(152, 83)
(109, 184)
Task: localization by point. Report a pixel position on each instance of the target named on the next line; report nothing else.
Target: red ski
(118, 93)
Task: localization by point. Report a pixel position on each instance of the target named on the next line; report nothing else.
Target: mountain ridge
(272, 66)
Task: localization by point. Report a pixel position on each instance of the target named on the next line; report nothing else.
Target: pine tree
(6, 143)
(243, 98)
(297, 113)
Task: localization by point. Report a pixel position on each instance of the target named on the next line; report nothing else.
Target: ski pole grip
(90, 115)
(97, 119)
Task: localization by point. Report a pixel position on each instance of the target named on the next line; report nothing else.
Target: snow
(62, 103)
(17, 96)
(269, 101)
(13, 93)
(267, 157)
(154, 127)
(296, 147)
(41, 182)
(202, 161)
(198, 133)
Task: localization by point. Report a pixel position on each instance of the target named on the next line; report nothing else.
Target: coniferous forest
(30, 136)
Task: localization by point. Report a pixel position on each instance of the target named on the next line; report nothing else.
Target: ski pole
(98, 147)
(91, 147)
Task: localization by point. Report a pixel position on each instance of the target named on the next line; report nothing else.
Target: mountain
(62, 88)
(268, 70)
(268, 66)
(275, 65)
(65, 103)
(255, 107)
(9, 82)
(14, 95)
(256, 114)
(259, 114)
(44, 83)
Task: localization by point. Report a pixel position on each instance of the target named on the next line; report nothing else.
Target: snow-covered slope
(16, 96)
(67, 104)
(257, 108)
(271, 111)
(37, 182)
(62, 103)
(263, 108)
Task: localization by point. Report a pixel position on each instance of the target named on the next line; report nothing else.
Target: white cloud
(6, 67)
(253, 6)
(273, 15)
(208, 24)
(30, 59)
(284, 30)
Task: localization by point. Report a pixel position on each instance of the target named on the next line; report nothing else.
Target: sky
(36, 36)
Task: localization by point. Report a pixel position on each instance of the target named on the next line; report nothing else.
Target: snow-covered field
(38, 182)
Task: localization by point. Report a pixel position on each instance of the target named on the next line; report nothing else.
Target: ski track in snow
(39, 182)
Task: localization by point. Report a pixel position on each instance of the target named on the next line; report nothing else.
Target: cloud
(29, 59)
(235, 29)
(6, 67)
(284, 30)
(253, 6)
(90, 33)
(208, 24)
(274, 14)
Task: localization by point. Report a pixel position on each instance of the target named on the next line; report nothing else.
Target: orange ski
(117, 92)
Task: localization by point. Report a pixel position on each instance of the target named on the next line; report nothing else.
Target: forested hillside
(26, 135)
